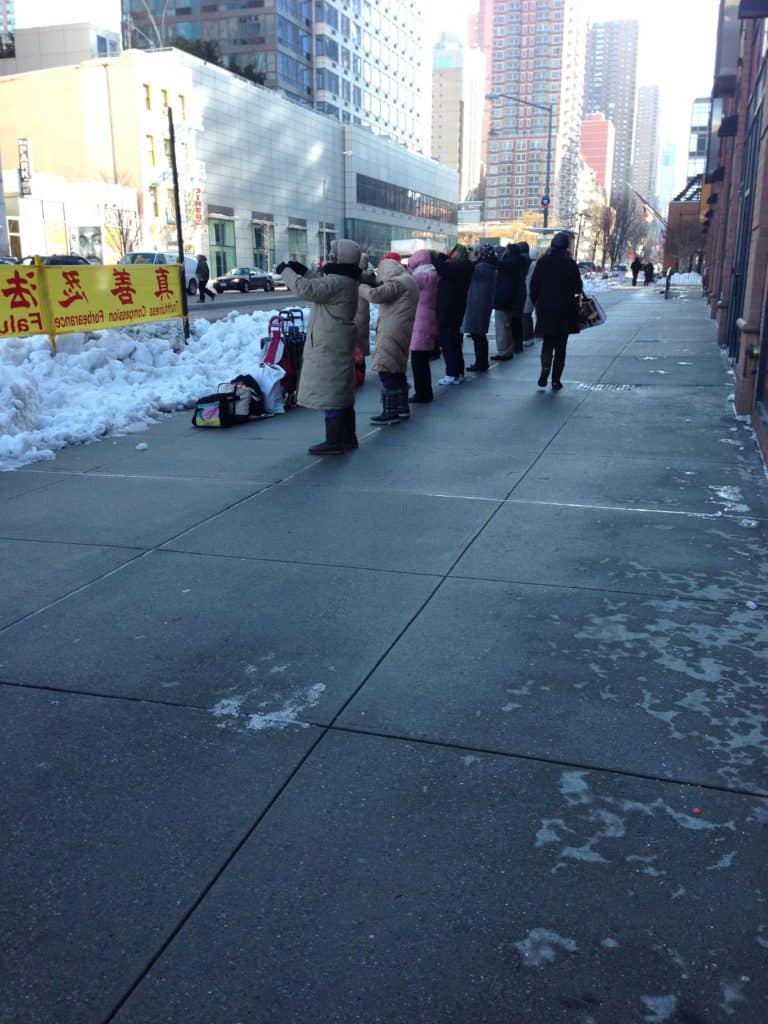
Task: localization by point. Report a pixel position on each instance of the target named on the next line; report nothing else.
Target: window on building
(264, 246)
(221, 245)
(182, 107)
(147, 95)
(149, 142)
(297, 243)
(154, 201)
(164, 97)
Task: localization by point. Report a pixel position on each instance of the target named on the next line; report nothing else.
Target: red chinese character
(21, 290)
(73, 290)
(123, 289)
(163, 288)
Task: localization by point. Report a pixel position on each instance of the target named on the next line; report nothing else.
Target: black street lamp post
(539, 106)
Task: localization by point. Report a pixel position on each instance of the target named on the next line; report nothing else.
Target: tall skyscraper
(7, 23)
(699, 139)
(534, 60)
(597, 142)
(611, 80)
(646, 142)
(668, 183)
(458, 81)
(358, 62)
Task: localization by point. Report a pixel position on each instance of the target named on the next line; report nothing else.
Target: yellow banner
(62, 299)
(21, 302)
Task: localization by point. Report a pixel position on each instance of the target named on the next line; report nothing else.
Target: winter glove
(280, 268)
(297, 268)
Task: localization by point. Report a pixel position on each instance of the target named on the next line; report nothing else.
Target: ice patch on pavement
(288, 713)
(661, 1007)
(539, 947)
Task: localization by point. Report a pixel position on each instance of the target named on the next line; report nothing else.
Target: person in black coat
(635, 266)
(508, 302)
(203, 275)
(555, 289)
(455, 276)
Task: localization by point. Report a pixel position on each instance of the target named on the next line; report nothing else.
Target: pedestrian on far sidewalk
(455, 273)
(635, 266)
(203, 275)
(648, 273)
(477, 315)
(555, 289)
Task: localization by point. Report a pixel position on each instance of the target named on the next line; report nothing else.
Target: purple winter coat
(424, 274)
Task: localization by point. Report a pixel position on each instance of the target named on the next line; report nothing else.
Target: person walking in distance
(397, 296)
(635, 266)
(555, 289)
(327, 379)
(203, 274)
(424, 333)
(648, 274)
(455, 273)
(477, 315)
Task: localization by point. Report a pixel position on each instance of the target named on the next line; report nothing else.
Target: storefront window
(263, 246)
(297, 244)
(221, 244)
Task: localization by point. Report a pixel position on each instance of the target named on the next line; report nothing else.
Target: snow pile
(688, 278)
(108, 382)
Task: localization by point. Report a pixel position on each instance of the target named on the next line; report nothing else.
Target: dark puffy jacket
(555, 287)
(453, 286)
(510, 283)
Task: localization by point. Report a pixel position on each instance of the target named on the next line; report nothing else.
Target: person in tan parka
(327, 379)
(397, 296)
(363, 315)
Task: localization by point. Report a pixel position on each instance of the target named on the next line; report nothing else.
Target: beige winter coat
(397, 297)
(327, 378)
(363, 316)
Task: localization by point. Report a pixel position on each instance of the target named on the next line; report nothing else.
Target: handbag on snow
(591, 313)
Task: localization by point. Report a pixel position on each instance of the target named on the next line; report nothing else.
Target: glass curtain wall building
(359, 61)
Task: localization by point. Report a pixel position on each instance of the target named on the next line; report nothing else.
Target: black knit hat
(561, 240)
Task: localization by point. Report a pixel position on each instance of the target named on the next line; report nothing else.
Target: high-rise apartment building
(699, 138)
(358, 62)
(668, 185)
(534, 64)
(7, 23)
(646, 159)
(458, 81)
(610, 87)
(597, 142)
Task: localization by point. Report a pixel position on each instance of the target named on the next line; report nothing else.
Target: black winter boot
(348, 435)
(403, 412)
(480, 364)
(333, 434)
(546, 363)
(390, 401)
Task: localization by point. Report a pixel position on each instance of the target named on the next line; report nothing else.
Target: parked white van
(139, 259)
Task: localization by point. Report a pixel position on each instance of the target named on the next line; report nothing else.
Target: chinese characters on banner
(63, 299)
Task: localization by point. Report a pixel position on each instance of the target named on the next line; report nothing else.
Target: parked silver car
(140, 259)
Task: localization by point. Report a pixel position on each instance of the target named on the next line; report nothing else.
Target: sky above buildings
(677, 44)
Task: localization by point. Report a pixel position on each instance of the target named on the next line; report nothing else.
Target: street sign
(545, 200)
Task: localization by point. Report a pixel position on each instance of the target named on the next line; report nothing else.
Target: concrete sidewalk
(465, 727)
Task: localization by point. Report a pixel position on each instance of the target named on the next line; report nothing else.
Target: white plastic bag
(269, 378)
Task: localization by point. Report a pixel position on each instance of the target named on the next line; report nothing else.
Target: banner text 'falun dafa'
(55, 300)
